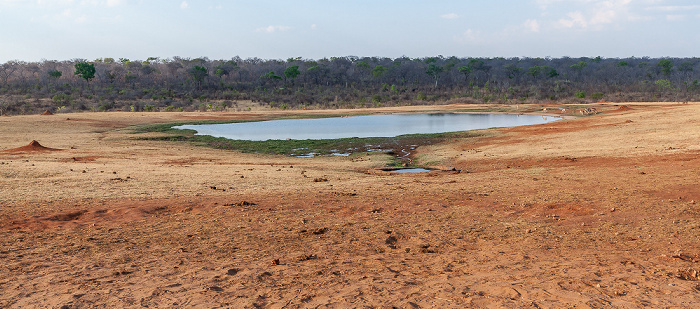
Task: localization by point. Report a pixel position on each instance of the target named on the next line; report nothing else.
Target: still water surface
(363, 126)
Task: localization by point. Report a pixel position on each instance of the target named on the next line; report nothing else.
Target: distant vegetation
(182, 84)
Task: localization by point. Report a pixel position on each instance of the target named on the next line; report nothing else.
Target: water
(363, 126)
(409, 170)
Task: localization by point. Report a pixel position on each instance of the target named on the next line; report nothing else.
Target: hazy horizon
(273, 29)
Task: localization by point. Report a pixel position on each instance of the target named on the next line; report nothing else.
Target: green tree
(430, 60)
(378, 71)
(271, 75)
(434, 71)
(686, 67)
(363, 65)
(314, 72)
(512, 70)
(535, 71)
(198, 74)
(226, 68)
(476, 66)
(664, 84)
(85, 70)
(666, 66)
(292, 72)
(466, 70)
(55, 74)
(579, 66)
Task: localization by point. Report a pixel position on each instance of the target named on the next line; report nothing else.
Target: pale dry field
(593, 212)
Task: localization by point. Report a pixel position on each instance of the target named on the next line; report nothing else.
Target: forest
(185, 84)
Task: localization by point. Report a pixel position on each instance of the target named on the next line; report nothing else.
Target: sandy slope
(594, 212)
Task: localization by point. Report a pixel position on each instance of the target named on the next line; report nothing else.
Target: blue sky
(313, 29)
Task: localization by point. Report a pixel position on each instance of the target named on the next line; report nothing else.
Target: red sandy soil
(593, 212)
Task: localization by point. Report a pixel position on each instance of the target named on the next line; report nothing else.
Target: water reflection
(363, 126)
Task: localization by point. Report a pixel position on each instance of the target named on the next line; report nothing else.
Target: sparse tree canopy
(344, 81)
(198, 73)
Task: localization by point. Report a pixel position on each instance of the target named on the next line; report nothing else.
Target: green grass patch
(390, 145)
(301, 147)
(168, 127)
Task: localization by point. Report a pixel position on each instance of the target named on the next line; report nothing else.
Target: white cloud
(184, 5)
(109, 3)
(575, 19)
(673, 8)
(71, 15)
(589, 14)
(676, 17)
(53, 2)
(532, 25)
(470, 37)
(313, 27)
(449, 16)
(48, 3)
(271, 29)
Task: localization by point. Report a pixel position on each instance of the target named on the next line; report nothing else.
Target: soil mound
(623, 108)
(47, 113)
(34, 146)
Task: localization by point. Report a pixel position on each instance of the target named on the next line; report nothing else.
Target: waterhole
(363, 126)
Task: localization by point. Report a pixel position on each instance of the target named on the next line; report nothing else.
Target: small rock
(320, 231)
(689, 275)
(391, 242)
(306, 257)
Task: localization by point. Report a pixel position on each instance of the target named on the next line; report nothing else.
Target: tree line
(185, 84)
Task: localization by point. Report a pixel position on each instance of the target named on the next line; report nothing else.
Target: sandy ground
(593, 212)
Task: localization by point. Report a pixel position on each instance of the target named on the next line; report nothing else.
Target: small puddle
(408, 170)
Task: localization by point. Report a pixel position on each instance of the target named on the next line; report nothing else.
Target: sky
(32, 30)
